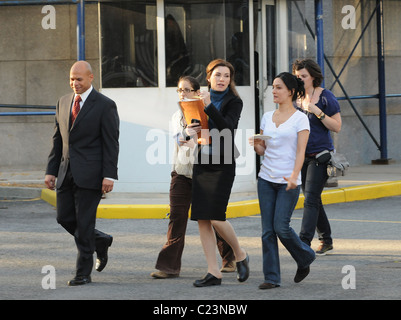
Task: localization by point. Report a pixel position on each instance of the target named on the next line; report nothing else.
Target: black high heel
(208, 280)
(243, 269)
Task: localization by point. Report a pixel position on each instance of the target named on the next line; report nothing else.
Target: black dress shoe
(243, 269)
(79, 280)
(102, 256)
(301, 274)
(208, 280)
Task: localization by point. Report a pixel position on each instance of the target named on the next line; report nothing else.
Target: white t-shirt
(281, 149)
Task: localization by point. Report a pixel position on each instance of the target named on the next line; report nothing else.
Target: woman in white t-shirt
(285, 133)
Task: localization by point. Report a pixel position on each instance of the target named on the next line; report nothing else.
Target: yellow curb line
(49, 196)
(240, 208)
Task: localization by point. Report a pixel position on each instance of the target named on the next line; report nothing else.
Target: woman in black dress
(213, 174)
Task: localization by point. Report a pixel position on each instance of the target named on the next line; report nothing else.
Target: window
(196, 32)
(129, 44)
(300, 41)
(271, 44)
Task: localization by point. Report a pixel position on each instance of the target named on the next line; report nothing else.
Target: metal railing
(27, 113)
(35, 2)
(381, 96)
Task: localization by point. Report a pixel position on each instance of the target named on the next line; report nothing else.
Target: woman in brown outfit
(169, 259)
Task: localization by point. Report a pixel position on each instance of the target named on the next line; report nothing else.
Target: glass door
(267, 45)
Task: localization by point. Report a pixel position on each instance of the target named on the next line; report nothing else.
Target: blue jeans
(276, 207)
(314, 177)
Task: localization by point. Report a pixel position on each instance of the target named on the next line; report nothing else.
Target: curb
(19, 193)
(240, 208)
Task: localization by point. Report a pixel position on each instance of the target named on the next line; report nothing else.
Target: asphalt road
(35, 250)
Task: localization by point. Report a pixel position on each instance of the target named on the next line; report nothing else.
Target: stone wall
(35, 63)
(34, 70)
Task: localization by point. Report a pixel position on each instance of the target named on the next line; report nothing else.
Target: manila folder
(194, 109)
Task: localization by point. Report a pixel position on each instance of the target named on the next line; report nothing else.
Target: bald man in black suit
(84, 159)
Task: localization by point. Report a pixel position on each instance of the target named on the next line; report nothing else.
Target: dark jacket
(90, 147)
(226, 122)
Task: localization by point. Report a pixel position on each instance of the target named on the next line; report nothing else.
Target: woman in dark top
(169, 259)
(323, 112)
(213, 174)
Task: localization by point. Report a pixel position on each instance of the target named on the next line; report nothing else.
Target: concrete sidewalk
(360, 183)
(366, 239)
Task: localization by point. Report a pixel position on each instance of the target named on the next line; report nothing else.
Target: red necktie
(75, 108)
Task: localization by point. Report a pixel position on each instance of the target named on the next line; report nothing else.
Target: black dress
(214, 172)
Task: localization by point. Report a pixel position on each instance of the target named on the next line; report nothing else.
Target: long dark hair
(222, 63)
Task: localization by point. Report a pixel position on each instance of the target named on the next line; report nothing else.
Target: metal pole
(81, 30)
(382, 85)
(35, 2)
(319, 34)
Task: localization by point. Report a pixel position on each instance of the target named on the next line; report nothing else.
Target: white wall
(146, 145)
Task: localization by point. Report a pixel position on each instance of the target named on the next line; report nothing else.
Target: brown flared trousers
(169, 259)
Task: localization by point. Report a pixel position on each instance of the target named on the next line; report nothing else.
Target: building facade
(139, 48)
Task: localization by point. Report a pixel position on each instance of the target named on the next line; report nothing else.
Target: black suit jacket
(90, 147)
(226, 120)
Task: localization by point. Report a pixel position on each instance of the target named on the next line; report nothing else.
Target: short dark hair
(313, 68)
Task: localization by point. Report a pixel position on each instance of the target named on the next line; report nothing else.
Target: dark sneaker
(229, 267)
(324, 249)
(163, 275)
